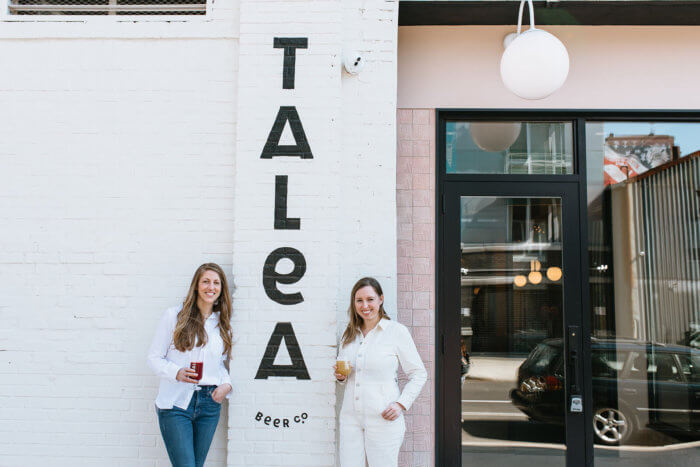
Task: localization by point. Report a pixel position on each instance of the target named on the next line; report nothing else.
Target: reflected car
(635, 385)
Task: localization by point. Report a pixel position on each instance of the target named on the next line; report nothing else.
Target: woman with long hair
(371, 418)
(191, 345)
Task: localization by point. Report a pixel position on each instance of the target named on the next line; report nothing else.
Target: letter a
(272, 147)
(267, 366)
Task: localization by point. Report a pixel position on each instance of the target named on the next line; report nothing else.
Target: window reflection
(644, 254)
(509, 147)
(512, 322)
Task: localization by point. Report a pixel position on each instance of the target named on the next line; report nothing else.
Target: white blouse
(373, 382)
(165, 361)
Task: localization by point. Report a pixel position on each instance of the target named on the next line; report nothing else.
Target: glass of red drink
(198, 367)
(197, 364)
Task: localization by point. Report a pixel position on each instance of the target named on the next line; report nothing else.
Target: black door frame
(448, 436)
(450, 322)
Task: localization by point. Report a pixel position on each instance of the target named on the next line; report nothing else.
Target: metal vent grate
(108, 7)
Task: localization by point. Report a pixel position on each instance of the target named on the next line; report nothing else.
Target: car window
(662, 367)
(638, 366)
(690, 366)
(607, 363)
(542, 358)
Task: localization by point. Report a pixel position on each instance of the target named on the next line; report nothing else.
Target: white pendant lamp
(494, 136)
(535, 63)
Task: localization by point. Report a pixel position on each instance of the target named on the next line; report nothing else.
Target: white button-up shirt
(373, 382)
(165, 361)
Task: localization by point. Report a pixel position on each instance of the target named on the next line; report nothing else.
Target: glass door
(511, 383)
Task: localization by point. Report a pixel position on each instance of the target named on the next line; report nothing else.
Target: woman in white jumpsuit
(371, 419)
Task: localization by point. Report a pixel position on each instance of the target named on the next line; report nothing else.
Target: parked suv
(635, 384)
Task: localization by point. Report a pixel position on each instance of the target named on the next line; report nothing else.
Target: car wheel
(612, 426)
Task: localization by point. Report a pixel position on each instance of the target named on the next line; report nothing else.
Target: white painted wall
(116, 176)
(344, 196)
(611, 68)
(121, 172)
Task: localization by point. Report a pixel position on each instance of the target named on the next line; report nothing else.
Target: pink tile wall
(415, 201)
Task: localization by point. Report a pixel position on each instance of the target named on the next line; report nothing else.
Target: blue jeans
(188, 433)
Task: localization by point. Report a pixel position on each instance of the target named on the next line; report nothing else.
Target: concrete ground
(496, 434)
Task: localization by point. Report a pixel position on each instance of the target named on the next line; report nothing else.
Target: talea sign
(287, 115)
(285, 248)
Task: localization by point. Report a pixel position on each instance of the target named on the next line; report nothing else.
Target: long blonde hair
(355, 322)
(190, 323)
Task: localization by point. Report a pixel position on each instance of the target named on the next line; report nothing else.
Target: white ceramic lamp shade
(535, 63)
(494, 136)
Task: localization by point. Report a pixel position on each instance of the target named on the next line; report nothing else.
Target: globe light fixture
(494, 136)
(535, 63)
(520, 281)
(554, 273)
(535, 277)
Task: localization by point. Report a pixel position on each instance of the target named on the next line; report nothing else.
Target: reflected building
(645, 267)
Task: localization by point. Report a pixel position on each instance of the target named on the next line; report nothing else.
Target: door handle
(574, 360)
(574, 376)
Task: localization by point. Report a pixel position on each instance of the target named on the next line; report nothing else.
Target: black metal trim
(569, 114)
(504, 178)
(594, 13)
(580, 152)
(439, 265)
(452, 182)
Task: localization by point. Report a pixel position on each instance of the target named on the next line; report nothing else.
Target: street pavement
(495, 433)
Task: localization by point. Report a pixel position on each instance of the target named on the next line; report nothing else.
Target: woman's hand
(338, 376)
(393, 411)
(186, 375)
(220, 393)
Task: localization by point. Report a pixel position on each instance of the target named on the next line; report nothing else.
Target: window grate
(108, 7)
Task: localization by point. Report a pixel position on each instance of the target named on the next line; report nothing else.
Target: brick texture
(117, 182)
(344, 198)
(415, 193)
(125, 166)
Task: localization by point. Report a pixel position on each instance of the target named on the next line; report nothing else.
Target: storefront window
(644, 254)
(511, 330)
(520, 299)
(509, 147)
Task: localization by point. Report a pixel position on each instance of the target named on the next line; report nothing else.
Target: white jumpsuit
(370, 388)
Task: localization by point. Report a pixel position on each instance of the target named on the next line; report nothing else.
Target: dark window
(662, 367)
(690, 367)
(607, 363)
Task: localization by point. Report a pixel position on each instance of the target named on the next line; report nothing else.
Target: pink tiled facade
(415, 200)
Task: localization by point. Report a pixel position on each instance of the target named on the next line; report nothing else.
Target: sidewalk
(494, 368)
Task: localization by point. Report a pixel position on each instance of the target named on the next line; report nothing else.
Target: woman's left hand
(393, 411)
(220, 393)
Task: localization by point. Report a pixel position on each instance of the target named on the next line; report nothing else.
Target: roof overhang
(591, 12)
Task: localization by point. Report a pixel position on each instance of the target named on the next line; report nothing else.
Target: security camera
(354, 62)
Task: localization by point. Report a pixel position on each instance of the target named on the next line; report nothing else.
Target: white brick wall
(117, 179)
(344, 196)
(313, 197)
(116, 176)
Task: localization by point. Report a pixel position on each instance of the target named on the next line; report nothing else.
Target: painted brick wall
(312, 197)
(119, 178)
(415, 205)
(344, 198)
(116, 182)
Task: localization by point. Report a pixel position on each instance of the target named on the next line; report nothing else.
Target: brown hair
(190, 323)
(355, 322)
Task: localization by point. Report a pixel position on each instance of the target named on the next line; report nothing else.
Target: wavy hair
(190, 323)
(355, 322)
